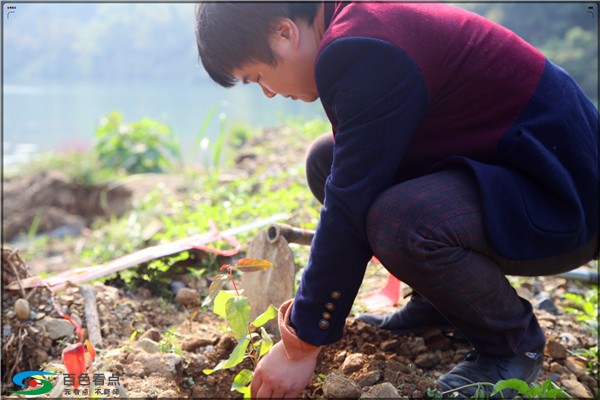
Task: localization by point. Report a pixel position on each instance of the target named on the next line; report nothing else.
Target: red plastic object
(388, 296)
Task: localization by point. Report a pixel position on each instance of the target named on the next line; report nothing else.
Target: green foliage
(167, 342)
(585, 307)
(235, 308)
(138, 147)
(546, 390)
(592, 355)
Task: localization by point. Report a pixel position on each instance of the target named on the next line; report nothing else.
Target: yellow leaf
(253, 264)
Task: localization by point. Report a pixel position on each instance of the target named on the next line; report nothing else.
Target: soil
(159, 348)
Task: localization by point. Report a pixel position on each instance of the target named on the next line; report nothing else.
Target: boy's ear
(284, 30)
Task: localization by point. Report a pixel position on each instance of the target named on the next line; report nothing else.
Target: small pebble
(22, 309)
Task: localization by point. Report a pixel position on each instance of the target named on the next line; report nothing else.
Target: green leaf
(242, 380)
(214, 288)
(221, 300)
(266, 342)
(265, 317)
(237, 310)
(515, 384)
(236, 357)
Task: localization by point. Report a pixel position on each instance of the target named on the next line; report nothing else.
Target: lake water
(64, 117)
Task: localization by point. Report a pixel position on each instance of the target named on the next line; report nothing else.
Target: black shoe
(417, 316)
(480, 367)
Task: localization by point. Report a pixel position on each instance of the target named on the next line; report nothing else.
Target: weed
(167, 342)
(585, 307)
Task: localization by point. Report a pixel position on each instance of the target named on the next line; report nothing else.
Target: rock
(368, 348)
(192, 344)
(370, 378)
(576, 366)
(187, 297)
(168, 394)
(147, 345)
(173, 362)
(56, 328)
(338, 385)
(226, 343)
(389, 345)
(152, 334)
(436, 340)
(383, 390)
(548, 305)
(569, 340)
(427, 360)
(166, 365)
(22, 309)
(555, 367)
(576, 389)
(556, 350)
(136, 369)
(354, 363)
(340, 357)
(176, 286)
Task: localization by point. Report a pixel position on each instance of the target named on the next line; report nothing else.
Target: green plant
(585, 307)
(138, 147)
(546, 390)
(591, 355)
(167, 342)
(235, 308)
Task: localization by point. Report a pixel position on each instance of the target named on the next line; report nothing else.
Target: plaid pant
(429, 233)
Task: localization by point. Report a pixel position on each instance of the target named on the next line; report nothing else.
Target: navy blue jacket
(414, 88)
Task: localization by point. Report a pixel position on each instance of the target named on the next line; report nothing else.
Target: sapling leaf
(266, 342)
(214, 288)
(236, 357)
(242, 379)
(252, 265)
(237, 310)
(221, 300)
(514, 384)
(265, 317)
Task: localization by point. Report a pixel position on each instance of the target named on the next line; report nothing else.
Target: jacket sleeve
(377, 96)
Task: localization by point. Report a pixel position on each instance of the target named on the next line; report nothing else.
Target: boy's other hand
(276, 376)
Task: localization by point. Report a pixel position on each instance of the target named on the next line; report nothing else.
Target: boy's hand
(276, 376)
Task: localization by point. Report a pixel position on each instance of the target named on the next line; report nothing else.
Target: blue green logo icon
(36, 386)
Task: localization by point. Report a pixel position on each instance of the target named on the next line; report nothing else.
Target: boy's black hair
(230, 34)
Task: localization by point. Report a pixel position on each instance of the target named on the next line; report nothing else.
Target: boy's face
(295, 46)
(284, 79)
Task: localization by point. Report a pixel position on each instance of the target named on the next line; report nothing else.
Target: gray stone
(56, 328)
(22, 309)
(337, 385)
(383, 390)
(158, 364)
(548, 305)
(148, 345)
(273, 286)
(173, 362)
(370, 378)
